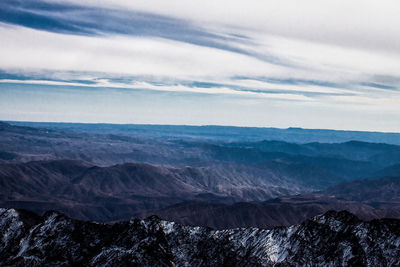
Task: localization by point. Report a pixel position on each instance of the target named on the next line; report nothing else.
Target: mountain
(221, 133)
(108, 177)
(281, 211)
(324, 164)
(352, 150)
(86, 191)
(196, 178)
(347, 161)
(390, 171)
(332, 239)
(22, 144)
(381, 193)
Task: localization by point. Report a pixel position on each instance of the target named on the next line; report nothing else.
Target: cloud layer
(333, 55)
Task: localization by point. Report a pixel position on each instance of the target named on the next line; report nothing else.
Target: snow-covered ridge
(331, 239)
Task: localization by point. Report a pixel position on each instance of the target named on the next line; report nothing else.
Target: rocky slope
(86, 191)
(281, 211)
(381, 193)
(332, 239)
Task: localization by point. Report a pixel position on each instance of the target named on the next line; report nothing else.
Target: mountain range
(108, 177)
(331, 239)
(219, 133)
(153, 195)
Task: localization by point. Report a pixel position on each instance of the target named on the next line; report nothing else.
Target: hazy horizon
(189, 125)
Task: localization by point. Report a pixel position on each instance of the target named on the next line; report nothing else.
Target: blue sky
(312, 64)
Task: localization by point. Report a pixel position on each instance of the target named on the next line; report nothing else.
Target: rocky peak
(332, 239)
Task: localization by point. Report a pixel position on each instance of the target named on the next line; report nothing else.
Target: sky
(310, 63)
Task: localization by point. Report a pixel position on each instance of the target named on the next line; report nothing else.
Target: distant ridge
(111, 173)
(222, 133)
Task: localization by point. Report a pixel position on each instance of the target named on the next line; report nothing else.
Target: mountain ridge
(334, 238)
(291, 134)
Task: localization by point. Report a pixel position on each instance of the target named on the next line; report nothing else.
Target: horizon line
(201, 125)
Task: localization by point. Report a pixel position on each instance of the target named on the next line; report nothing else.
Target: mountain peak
(59, 240)
(342, 216)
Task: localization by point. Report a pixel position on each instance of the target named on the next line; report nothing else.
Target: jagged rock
(332, 239)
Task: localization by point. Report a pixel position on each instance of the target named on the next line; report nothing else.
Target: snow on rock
(332, 239)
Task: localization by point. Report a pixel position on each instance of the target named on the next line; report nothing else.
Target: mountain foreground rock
(331, 239)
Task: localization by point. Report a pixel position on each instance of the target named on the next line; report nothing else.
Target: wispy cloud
(98, 21)
(314, 54)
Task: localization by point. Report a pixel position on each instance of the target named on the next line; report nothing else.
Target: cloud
(310, 53)
(97, 21)
(28, 49)
(159, 59)
(181, 26)
(366, 24)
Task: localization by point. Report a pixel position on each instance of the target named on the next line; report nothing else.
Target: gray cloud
(321, 58)
(96, 21)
